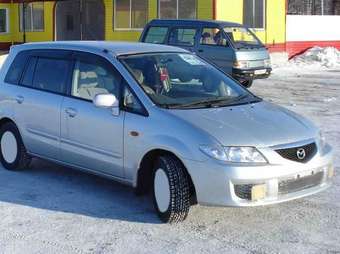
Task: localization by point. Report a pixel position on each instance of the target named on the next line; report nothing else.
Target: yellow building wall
(228, 10)
(15, 36)
(46, 35)
(275, 30)
(7, 37)
(204, 11)
(124, 35)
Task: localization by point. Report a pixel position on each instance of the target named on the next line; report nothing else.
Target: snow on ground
(328, 57)
(53, 209)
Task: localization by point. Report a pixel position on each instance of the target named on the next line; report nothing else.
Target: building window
(4, 28)
(34, 17)
(177, 9)
(254, 13)
(130, 14)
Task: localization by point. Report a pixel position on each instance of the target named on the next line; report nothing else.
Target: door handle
(201, 50)
(71, 112)
(20, 99)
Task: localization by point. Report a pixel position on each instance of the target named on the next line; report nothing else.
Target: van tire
(13, 154)
(247, 83)
(171, 189)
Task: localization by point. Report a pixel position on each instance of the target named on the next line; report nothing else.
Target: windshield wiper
(210, 102)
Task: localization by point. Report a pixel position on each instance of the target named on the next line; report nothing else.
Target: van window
(17, 67)
(183, 36)
(212, 36)
(29, 72)
(51, 74)
(92, 78)
(156, 34)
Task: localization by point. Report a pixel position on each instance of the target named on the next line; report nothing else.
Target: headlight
(267, 63)
(244, 154)
(241, 64)
(234, 154)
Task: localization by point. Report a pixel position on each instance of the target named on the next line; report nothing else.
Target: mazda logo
(301, 153)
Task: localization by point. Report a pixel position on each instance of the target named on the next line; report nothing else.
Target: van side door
(38, 99)
(92, 137)
(215, 48)
(183, 37)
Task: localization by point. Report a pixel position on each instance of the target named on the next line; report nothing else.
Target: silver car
(159, 119)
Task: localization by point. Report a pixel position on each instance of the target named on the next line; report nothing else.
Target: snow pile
(2, 59)
(328, 57)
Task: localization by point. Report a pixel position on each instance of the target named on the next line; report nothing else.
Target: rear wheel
(171, 191)
(13, 155)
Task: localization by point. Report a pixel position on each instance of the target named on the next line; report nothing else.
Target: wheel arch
(5, 120)
(144, 174)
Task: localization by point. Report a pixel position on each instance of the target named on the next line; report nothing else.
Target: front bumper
(251, 74)
(216, 183)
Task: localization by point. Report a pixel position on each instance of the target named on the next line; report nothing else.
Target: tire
(171, 191)
(13, 155)
(247, 83)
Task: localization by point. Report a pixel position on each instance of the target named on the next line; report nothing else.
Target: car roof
(117, 48)
(187, 22)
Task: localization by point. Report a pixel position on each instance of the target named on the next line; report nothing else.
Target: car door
(92, 137)
(39, 97)
(215, 48)
(183, 37)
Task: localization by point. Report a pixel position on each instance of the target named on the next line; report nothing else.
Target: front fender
(135, 154)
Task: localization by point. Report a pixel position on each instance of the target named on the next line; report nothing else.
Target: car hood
(260, 124)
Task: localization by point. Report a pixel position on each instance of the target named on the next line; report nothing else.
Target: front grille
(256, 64)
(293, 152)
(243, 190)
(298, 184)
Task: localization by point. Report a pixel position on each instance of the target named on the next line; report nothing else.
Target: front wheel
(246, 83)
(171, 191)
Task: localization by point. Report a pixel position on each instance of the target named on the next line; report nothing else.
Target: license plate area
(260, 72)
(300, 182)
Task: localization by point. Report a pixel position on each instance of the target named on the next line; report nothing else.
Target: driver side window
(92, 78)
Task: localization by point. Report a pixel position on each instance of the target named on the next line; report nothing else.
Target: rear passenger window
(182, 36)
(29, 72)
(51, 74)
(15, 71)
(156, 35)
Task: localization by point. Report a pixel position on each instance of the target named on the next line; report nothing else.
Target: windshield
(242, 37)
(181, 80)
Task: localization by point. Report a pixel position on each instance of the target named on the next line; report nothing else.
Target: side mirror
(107, 101)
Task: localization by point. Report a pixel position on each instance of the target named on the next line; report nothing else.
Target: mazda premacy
(159, 119)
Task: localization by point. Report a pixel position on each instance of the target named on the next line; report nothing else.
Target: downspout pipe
(214, 9)
(24, 20)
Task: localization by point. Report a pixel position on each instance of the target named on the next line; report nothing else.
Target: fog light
(258, 192)
(330, 171)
